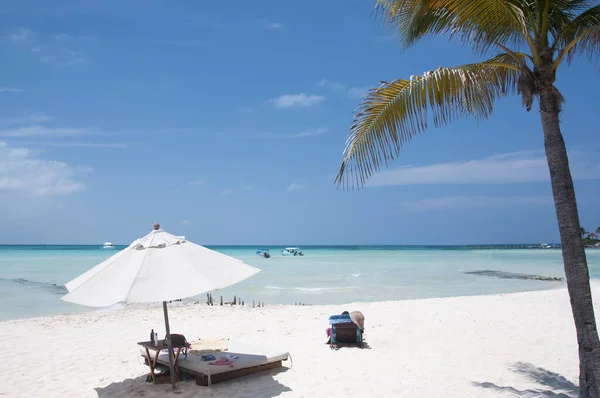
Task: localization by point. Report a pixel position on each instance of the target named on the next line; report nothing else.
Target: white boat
(545, 246)
(291, 251)
(109, 246)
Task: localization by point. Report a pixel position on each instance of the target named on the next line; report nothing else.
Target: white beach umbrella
(157, 267)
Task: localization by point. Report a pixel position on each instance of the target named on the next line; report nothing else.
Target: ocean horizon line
(262, 245)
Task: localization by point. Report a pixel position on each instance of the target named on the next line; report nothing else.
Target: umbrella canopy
(157, 267)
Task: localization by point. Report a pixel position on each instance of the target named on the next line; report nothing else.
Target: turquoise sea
(32, 278)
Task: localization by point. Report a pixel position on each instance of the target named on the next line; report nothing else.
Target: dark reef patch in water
(53, 287)
(514, 275)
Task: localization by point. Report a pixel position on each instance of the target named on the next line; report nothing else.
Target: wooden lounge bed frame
(250, 360)
(203, 379)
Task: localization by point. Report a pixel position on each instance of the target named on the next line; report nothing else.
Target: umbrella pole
(169, 345)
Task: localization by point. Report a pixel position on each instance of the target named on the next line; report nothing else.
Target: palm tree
(532, 39)
(583, 232)
(598, 230)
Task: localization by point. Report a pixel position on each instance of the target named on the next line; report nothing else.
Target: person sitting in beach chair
(347, 328)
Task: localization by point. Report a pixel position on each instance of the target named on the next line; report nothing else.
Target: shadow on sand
(256, 385)
(365, 346)
(553, 384)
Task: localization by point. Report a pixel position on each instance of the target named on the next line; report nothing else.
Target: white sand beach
(482, 346)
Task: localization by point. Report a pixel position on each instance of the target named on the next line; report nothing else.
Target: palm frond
(580, 36)
(480, 23)
(395, 112)
(552, 16)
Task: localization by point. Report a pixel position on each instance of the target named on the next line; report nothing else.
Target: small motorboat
(545, 246)
(108, 246)
(291, 251)
(263, 253)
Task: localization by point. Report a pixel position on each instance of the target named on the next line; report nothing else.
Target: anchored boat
(291, 251)
(263, 253)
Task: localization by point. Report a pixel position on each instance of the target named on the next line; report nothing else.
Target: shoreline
(464, 346)
(191, 303)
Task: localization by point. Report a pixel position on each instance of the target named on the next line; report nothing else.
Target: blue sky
(226, 121)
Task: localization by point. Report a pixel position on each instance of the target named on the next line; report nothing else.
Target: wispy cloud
(196, 183)
(296, 100)
(310, 133)
(186, 222)
(358, 92)
(60, 49)
(73, 144)
(294, 186)
(226, 192)
(21, 35)
(27, 118)
(275, 25)
(470, 202)
(11, 90)
(352, 92)
(509, 168)
(246, 187)
(24, 172)
(42, 131)
(331, 84)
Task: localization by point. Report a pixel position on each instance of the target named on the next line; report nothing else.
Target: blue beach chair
(344, 331)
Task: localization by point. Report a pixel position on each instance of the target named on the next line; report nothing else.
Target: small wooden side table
(153, 360)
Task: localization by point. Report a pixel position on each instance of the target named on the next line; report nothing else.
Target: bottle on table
(152, 336)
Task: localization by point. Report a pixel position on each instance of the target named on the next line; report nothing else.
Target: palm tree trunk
(575, 263)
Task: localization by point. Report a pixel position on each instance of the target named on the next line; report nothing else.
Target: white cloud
(23, 171)
(226, 192)
(333, 85)
(73, 144)
(275, 25)
(509, 168)
(11, 90)
(186, 222)
(196, 183)
(42, 131)
(57, 49)
(470, 202)
(353, 92)
(21, 35)
(27, 118)
(310, 133)
(296, 100)
(358, 92)
(246, 187)
(295, 187)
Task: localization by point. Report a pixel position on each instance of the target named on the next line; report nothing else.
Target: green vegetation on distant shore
(590, 238)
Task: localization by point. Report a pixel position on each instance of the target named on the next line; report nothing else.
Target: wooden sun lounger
(250, 360)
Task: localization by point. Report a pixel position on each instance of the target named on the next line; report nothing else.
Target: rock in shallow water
(514, 275)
